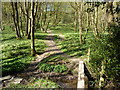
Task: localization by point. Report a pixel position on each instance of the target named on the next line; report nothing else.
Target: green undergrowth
(104, 53)
(16, 52)
(63, 29)
(37, 83)
(71, 45)
(54, 63)
(54, 68)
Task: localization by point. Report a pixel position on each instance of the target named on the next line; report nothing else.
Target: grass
(53, 68)
(54, 63)
(16, 53)
(37, 83)
(103, 50)
(71, 44)
(63, 29)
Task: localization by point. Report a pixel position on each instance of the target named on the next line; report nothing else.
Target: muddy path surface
(68, 80)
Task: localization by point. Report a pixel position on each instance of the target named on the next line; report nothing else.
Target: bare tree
(32, 17)
(16, 18)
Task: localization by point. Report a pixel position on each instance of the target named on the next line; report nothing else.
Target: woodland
(42, 41)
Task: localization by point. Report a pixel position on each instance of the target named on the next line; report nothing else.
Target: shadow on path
(51, 50)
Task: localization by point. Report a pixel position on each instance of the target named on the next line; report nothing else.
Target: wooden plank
(5, 78)
(81, 75)
(82, 79)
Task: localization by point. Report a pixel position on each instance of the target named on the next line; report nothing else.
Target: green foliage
(63, 29)
(18, 86)
(67, 19)
(53, 58)
(60, 68)
(53, 64)
(53, 68)
(71, 45)
(44, 83)
(16, 53)
(46, 67)
(106, 52)
(38, 83)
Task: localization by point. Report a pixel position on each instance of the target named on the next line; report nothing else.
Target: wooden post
(82, 79)
(88, 54)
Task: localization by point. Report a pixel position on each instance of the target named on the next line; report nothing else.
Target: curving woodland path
(64, 80)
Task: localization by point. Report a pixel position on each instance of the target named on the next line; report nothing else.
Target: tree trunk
(21, 22)
(15, 23)
(96, 33)
(28, 29)
(17, 18)
(27, 17)
(33, 51)
(75, 22)
(80, 21)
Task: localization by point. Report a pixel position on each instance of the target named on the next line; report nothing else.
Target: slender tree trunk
(87, 21)
(17, 18)
(33, 51)
(45, 19)
(21, 22)
(28, 30)
(75, 22)
(27, 17)
(21, 27)
(14, 18)
(41, 20)
(96, 33)
(47, 25)
(80, 21)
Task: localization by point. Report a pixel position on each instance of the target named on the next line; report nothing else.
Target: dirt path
(66, 81)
